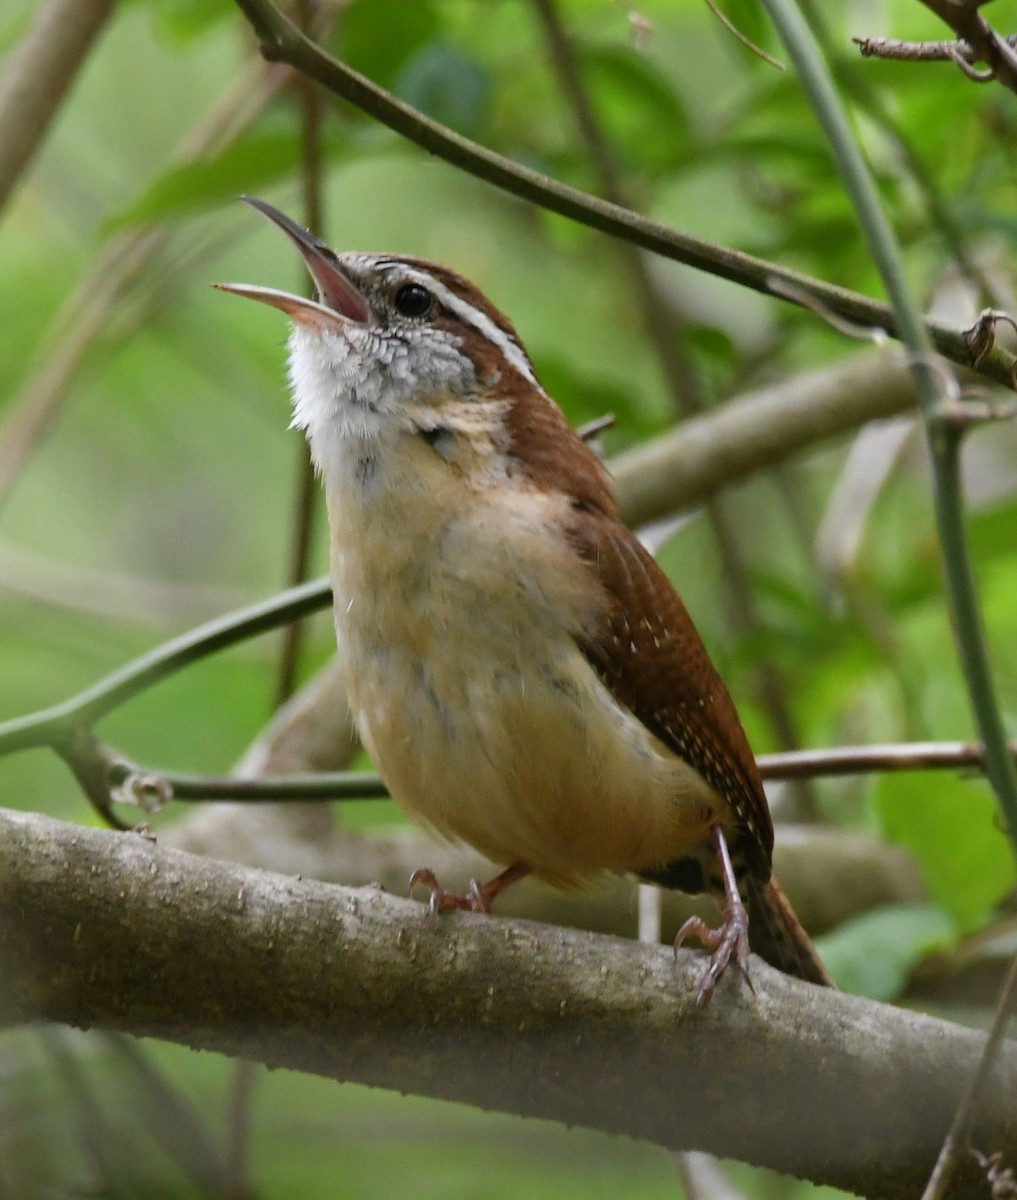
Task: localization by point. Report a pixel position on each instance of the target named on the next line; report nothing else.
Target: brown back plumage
(658, 667)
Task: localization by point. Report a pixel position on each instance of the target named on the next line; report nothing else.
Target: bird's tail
(776, 934)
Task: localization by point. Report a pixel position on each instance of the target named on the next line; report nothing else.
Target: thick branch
(829, 875)
(114, 931)
(757, 430)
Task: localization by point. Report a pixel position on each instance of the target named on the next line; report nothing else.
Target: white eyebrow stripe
(480, 321)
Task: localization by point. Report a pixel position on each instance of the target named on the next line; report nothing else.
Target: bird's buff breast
(486, 721)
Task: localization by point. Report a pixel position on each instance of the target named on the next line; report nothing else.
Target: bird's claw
(476, 899)
(730, 940)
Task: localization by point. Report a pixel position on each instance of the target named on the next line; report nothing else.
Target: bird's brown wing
(647, 651)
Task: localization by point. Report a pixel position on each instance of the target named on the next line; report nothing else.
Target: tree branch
(938, 391)
(54, 726)
(986, 45)
(303, 784)
(759, 429)
(307, 500)
(884, 47)
(282, 41)
(666, 331)
(675, 471)
(958, 1139)
(127, 258)
(113, 931)
(37, 75)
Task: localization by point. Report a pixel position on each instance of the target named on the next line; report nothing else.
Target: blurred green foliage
(168, 458)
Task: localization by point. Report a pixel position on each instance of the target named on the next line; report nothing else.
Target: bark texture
(118, 932)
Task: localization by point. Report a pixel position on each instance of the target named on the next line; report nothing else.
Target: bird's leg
(478, 898)
(731, 937)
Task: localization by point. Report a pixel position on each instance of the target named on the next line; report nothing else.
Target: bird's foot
(474, 900)
(478, 898)
(730, 940)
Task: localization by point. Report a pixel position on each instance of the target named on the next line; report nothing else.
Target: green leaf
(254, 160)
(378, 37)
(991, 537)
(642, 114)
(448, 86)
(873, 955)
(180, 22)
(951, 825)
(776, 148)
(586, 396)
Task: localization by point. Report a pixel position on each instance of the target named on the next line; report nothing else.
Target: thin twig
(56, 725)
(95, 1131)
(943, 438)
(856, 83)
(986, 44)
(863, 333)
(238, 1129)
(151, 789)
(985, 75)
(883, 47)
(125, 781)
(747, 42)
(589, 431)
(702, 1177)
(171, 1118)
(281, 41)
(863, 760)
(953, 1144)
(300, 557)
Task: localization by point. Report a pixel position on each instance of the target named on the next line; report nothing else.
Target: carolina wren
(523, 674)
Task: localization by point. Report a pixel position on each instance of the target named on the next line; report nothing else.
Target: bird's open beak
(338, 300)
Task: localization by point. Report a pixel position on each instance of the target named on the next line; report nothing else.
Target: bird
(524, 675)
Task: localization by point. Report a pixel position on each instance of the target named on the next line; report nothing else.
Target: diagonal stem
(55, 726)
(942, 434)
(282, 41)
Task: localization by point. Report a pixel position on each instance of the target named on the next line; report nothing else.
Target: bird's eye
(412, 300)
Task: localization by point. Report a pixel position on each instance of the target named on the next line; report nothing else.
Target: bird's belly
(513, 744)
(483, 716)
